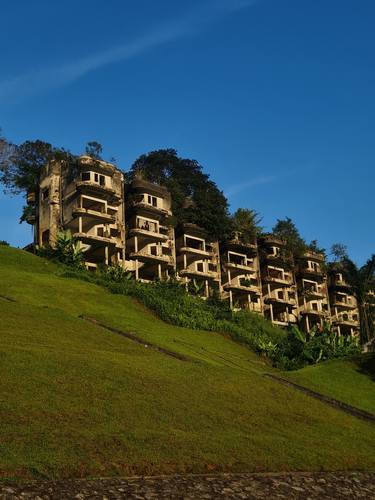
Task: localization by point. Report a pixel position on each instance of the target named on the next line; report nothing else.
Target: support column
(185, 261)
(80, 224)
(207, 290)
(307, 323)
(136, 270)
(231, 299)
(106, 255)
(271, 311)
(159, 271)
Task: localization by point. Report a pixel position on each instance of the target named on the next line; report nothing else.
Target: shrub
(4, 243)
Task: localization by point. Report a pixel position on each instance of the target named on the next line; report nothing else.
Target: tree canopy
(245, 224)
(195, 197)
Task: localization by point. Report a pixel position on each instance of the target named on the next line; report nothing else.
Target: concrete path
(231, 486)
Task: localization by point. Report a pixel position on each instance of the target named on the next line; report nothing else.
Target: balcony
(313, 312)
(94, 214)
(318, 293)
(155, 235)
(142, 205)
(278, 280)
(344, 304)
(91, 239)
(345, 321)
(199, 274)
(147, 256)
(311, 271)
(195, 251)
(241, 266)
(274, 299)
(93, 187)
(236, 286)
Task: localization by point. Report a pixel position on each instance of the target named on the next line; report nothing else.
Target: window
(45, 237)
(314, 306)
(153, 250)
(152, 200)
(280, 294)
(200, 267)
(102, 180)
(85, 176)
(45, 194)
(96, 177)
(100, 231)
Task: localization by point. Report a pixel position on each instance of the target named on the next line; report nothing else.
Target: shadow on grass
(366, 364)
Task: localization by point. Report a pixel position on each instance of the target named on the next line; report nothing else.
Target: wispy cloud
(48, 78)
(238, 188)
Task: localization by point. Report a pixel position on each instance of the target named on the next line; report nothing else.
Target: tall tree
(246, 224)
(195, 197)
(287, 231)
(361, 281)
(94, 149)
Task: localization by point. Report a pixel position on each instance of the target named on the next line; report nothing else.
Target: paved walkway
(232, 486)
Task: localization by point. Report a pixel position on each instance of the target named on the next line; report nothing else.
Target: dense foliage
(361, 280)
(245, 225)
(66, 250)
(195, 197)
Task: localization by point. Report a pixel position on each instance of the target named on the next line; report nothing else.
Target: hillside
(78, 399)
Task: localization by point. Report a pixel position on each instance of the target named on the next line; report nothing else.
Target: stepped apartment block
(129, 225)
(241, 283)
(197, 258)
(88, 200)
(150, 248)
(278, 282)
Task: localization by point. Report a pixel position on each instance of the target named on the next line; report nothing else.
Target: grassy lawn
(77, 400)
(351, 381)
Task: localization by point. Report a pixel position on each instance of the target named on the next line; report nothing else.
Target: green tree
(339, 252)
(245, 224)
(287, 231)
(195, 197)
(94, 149)
(361, 281)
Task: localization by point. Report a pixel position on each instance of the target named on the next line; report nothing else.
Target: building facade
(130, 226)
(198, 259)
(278, 282)
(85, 198)
(150, 244)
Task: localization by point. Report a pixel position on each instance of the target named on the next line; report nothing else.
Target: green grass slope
(350, 380)
(78, 400)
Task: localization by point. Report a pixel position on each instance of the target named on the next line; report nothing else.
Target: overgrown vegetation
(66, 250)
(361, 281)
(172, 303)
(195, 197)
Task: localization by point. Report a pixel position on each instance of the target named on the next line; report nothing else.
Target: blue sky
(275, 98)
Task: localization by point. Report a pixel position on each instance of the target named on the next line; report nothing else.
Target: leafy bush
(299, 348)
(66, 250)
(4, 243)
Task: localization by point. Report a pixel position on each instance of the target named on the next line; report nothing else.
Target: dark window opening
(45, 237)
(102, 180)
(45, 194)
(96, 177)
(100, 231)
(200, 267)
(85, 176)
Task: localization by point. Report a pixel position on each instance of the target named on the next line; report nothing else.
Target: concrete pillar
(231, 299)
(106, 255)
(271, 311)
(136, 270)
(207, 290)
(136, 244)
(80, 224)
(159, 271)
(307, 323)
(185, 261)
